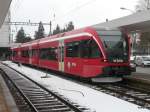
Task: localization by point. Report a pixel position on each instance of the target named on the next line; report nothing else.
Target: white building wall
(5, 33)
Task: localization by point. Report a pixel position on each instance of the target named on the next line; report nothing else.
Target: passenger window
(90, 49)
(73, 49)
(53, 54)
(84, 49)
(48, 53)
(34, 52)
(25, 53)
(14, 53)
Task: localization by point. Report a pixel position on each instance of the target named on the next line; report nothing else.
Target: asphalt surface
(145, 70)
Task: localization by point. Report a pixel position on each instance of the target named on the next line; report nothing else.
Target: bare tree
(143, 5)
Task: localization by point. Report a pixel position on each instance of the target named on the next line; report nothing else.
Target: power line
(15, 6)
(75, 9)
(25, 23)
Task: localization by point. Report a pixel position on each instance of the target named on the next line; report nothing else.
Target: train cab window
(90, 49)
(73, 49)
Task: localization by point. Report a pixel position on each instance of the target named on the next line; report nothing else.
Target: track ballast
(30, 96)
(120, 90)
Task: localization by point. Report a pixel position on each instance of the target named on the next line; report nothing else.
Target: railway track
(32, 97)
(125, 92)
(121, 90)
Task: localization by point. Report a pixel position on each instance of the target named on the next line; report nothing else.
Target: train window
(90, 49)
(14, 53)
(73, 49)
(43, 53)
(25, 53)
(48, 53)
(30, 53)
(53, 54)
(34, 52)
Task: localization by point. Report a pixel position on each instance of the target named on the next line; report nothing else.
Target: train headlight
(118, 60)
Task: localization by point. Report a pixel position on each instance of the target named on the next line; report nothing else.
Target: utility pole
(148, 5)
(50, 25)
(50, 28)
(25, 23)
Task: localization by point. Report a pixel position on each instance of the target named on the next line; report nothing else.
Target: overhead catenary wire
(18, 3)
(73, 10)
(15, 5)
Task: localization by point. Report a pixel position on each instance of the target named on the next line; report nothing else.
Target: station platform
(7, 103)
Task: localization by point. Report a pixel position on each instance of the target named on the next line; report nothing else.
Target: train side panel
(48, 55)
(34, 54)
(78, 60)
(24, 57)
(73, 63)
(16, 54)
(83, 53)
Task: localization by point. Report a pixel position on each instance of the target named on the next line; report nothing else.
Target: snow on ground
(85, 96)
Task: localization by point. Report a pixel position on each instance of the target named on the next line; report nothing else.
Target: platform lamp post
(148, 3)
(133, 33)
(50, 29)
(133, 48)
(50, 25)
(123, 8)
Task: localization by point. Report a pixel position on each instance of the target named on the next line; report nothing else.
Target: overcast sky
(81, 12)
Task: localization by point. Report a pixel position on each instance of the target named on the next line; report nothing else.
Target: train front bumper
(115, 71)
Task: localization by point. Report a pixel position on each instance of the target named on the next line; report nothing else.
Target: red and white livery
(101, 54)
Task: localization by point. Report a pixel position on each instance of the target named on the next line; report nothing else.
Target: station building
(5, 38)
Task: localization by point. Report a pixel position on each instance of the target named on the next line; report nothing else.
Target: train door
(91, 57)
(61, 55)
(73, 61)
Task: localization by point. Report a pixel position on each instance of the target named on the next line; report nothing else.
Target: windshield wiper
(106, 46)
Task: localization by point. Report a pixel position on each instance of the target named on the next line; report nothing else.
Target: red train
(101, 54)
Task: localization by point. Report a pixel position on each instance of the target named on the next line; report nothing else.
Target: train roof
(15, 45)
(101, 28)
(31, 43)
(77, 31)
(34, 42)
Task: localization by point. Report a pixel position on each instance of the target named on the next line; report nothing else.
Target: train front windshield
(115, 44)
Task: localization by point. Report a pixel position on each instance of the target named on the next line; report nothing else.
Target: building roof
(139, 21)
(4, 7)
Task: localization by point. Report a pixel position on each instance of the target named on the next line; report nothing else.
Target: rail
(38, 97)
